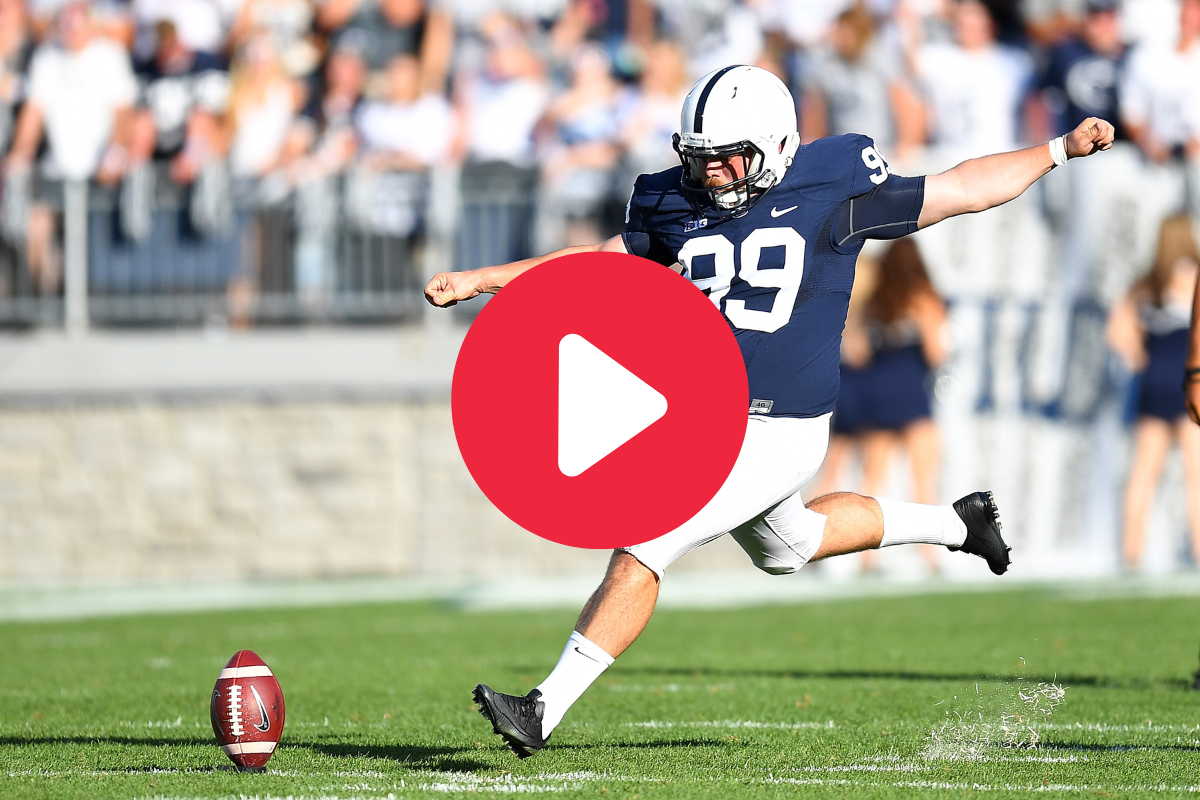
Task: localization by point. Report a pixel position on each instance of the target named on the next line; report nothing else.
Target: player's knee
(786, 540)
(629, 568)
(781, 567)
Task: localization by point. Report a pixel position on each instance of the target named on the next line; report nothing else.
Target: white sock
(915, 523)
(581, 662)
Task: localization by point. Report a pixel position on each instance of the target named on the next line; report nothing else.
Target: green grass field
(818, 699)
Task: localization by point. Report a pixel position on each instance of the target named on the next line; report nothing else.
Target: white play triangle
(601, 405)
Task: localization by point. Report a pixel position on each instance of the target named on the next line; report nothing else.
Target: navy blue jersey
(1079, 83)
(782, 273)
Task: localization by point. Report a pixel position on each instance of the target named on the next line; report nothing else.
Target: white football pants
(760, 502)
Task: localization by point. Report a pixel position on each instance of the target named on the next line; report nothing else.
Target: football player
(770, 232)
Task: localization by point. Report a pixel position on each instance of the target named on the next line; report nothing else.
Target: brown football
(247, 710)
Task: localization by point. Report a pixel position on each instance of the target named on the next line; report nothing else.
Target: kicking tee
(782, 273)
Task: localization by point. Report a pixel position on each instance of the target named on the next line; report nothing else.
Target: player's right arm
(447, 288)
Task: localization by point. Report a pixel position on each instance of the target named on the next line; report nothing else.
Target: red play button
(599, 400)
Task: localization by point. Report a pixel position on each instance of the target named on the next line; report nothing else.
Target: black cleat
(1196, 683)
(517, 719)
(979, 512)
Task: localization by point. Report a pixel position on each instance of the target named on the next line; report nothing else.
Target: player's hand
(1093, 134)
(447, 288)
(1191, 398)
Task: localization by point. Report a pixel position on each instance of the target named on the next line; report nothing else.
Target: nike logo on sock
(585, 655)
(775, 212)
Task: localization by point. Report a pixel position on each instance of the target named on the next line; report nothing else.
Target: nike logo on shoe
(775, 212)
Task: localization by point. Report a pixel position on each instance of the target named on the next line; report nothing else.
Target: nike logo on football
(775, 212)
(264, 722)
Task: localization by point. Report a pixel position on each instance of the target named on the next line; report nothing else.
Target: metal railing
(353, 248)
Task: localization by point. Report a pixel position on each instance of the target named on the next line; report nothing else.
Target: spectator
(396, 27)
(201, 25)
(263, 107)
(499, 104)
(502, 104)
(288, 23)
(1149, 331)
(16, 49)
(624, 27)
(325, 128)
(578, 168)
(81, 95)
(650, 115)
(184, 96)
(406, 130)
(325, 132)
(1083, 72)
(804, 24)
(403, 134)
(715, 33)
(890, 402)
(855, 86)
(975, 87)
(1157, 90)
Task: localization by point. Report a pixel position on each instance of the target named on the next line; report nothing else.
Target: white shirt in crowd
(805, 22)
(1160, 90)
(420, 130)
(79, 95)
(502, 118)
(261, 132)
(1150, 22)
(975, 96)
(201, 24)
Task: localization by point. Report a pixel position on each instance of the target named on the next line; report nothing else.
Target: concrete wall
(153, 491)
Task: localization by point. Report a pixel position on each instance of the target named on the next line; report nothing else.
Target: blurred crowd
(270, 98)
(534, 116)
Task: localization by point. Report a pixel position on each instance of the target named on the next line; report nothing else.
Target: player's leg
(777, 456)
(791, 534)
(617, 612)
(614, 616)
(1151, 440)
(1189, 443)
(855, 523)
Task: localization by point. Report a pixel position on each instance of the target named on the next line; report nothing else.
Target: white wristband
(1058, 151)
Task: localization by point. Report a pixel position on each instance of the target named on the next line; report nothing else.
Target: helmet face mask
(742, 116)
(735, 196)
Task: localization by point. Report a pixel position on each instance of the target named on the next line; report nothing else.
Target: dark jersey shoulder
(837, 168)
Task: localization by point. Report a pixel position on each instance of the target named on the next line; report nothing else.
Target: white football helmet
(733, 111)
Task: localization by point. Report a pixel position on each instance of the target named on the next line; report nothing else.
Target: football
(247, 710)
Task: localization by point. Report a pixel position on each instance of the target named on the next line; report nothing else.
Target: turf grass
(820, 699)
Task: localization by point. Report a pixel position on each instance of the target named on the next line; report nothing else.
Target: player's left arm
(983, 183)
(1191, 381)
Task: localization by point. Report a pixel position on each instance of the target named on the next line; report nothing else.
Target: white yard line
(734, 724)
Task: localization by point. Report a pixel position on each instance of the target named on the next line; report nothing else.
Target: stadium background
(217, 374)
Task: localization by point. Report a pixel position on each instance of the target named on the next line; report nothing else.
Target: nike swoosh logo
(264, 723)
(777, 213)
(585, 655)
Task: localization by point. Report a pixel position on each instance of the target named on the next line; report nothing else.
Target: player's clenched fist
(1092, 134)
(447, 288)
